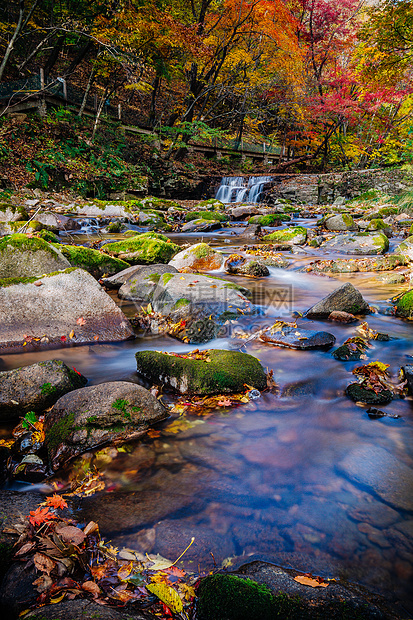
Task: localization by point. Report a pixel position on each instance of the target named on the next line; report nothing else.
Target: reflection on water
(272, 478)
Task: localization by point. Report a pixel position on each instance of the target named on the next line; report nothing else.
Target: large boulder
(36, 387)
(199, 257)
(243, 212)
(95, 262)
(358, 243)
(22, 256)
(201, 225)
(346, 298)
(218, 372)
(145, 249)
(57, 221)
(295, 235)
(101, 209)
(68, 307)
(405, 249)
(404, 305)
(142, 284)
(120, 278)
(112, 412)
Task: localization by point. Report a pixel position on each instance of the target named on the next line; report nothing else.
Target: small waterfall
(241, 189)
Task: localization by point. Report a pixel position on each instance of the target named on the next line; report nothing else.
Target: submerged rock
(296, 235)
(226, 372)
(68, 307)
(22, 257)
(89, 417)
(297, 338)
(346, 298)
(198, 257)
(144, 249)
(358, 243)
(95, 262)
(36, 387)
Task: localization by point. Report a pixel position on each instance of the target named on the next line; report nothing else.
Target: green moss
(166, 277)
(286, 235)
(269, 220)
(48, 388)
(32, 226)
(227, 597)
(115, 227)
(21, 242)
(6, 206)
(227, 371)
(376, 224)
(60, 431)
(48, 235)
(95, 262)
(348, 220)
(11, 281)
(153, 277)
(145, 249)
(404, 306)
(202, 250)
(181, 303)
(206, 215)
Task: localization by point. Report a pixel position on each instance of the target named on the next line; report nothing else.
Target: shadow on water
(289, 477)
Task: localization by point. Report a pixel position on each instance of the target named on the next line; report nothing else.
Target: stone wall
(325, 188)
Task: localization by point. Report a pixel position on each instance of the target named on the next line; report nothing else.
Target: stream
(275, 478)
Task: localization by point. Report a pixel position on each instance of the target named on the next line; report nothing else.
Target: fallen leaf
(90, 528)
(91, 587)
(43, 563)
(310, 581)
(25, 548)
(72, 334)
(125, 571)
(81, 321)
(167, 595)
(70, 533)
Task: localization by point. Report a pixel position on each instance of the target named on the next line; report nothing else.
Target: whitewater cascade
(241, 189)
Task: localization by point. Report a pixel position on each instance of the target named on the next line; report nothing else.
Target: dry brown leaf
(70, 533)
(26, 548)
(43, 583)
(310, 581)
(43, 563)
(90, 528)
(91, 587)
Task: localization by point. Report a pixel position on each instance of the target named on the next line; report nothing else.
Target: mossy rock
(9, 228)
(226, 372)
(162, 204)
(358, 393)
(377, 224)
(145, 249)
(351, 350)
(274, 219)
(228, 597)
(95, 262)
(10, 213)
(49, 236)
(23, 257)
(404, 305)
(212, 204)
(206, 215)
(296, 235)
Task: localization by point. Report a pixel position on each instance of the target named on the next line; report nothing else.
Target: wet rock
(45, 311)
(226, 372)
(111, 412)
(352, 350)
(358, 243)
(252, 231)
(392, 278)
(296, 235)
(353, 265)
(196, 306)
(95, 262)
(358, 393)
(100, 209)
(266, 591)
(298, 338)
(346, 298)
(300, 389)
(342, 317)
(150, 220)
(142, 284)
(407, 371)
(120, 278)
(405, 249)
(243, 212)
(373, 467)
(198, 257)
(22, 257)
(340, 222)
(374, 513)
(237, 264)
(201, 225)
(56, 221)
(404, 305)
(36, 387)
(146, 249)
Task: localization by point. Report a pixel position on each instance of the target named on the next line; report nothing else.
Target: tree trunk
(85, 96)
(12, 41)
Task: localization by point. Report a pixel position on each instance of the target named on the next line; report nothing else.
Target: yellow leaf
(167, 595)
(72, 334)
(57, 599)
(309, 581)
(125, 571)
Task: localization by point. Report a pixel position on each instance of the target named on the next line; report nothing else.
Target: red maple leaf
(56, 501)
(41, 515)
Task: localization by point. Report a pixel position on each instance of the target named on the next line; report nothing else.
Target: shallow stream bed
(303, 478)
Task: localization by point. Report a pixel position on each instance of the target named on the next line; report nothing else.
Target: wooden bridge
(35, 93)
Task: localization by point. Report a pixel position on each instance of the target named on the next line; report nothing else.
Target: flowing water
(276, 478)
(242, 189)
